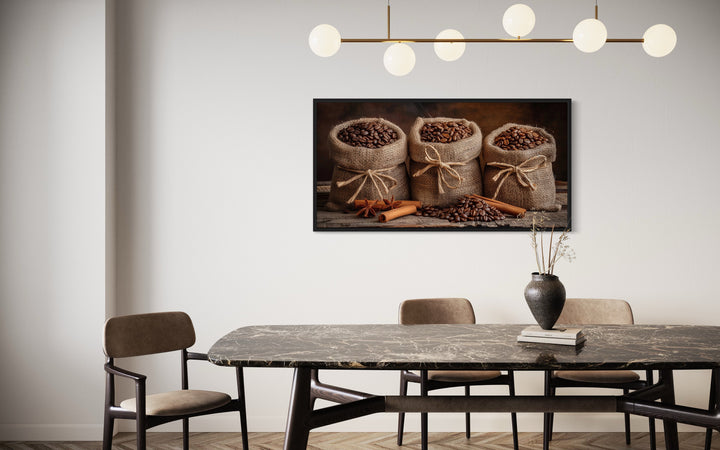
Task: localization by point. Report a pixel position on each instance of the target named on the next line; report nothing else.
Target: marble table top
(469, 347)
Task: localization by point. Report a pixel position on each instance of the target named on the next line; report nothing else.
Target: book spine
(546, 340)
(549, 335)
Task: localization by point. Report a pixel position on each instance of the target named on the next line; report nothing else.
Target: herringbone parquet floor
(359, 441)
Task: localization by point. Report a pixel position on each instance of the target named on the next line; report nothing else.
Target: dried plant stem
(557, 248)
(551, 258)
(542, 253)
(533, 237)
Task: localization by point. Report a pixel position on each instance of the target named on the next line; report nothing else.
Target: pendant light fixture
(589, 36)
(449, 51)
(518, 20)
(659, 40)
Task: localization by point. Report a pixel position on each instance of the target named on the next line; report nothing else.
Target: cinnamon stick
(397, 212)
(381, 205)
(503, 207)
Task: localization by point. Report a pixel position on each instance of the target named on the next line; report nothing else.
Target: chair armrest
(109, 368)
(197, 356)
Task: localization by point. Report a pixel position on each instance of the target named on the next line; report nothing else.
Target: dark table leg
(668, 396)
(298, 426)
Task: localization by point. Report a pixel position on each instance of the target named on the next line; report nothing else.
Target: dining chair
(446, 311)
(145, 334)
(592, 311)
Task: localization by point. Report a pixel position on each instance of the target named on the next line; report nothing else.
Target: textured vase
(545, 296)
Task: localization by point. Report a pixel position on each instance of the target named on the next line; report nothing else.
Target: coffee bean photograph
(441, 165)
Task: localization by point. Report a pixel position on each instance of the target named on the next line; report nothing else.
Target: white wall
(52, 218)
(214, 167)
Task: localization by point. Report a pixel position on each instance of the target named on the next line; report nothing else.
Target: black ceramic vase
(545, 296)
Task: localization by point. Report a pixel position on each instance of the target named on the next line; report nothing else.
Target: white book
(556, 333)
(551, 340)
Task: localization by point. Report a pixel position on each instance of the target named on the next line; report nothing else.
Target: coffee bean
(444, 132)
(516, 138)
(371, 134)
(466, 209)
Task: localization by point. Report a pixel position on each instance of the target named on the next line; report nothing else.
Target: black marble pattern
(478, 347)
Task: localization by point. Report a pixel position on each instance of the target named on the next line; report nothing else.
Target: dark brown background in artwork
(552, 115)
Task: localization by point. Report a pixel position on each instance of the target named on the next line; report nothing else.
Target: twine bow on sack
(441, 166)
(521, 172)
(375, 175)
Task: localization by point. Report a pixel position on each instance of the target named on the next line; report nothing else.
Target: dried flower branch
(556, 251)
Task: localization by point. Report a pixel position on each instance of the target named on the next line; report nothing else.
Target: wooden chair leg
(651, 422)
(547, 417)
(651, 428)
(424, 415)
(186, 434)
(708, 438)
(467, 415)
(108, 419)
(513, 416)
(627, 422)
(140, 417)
(140, 438)
(401, 416)
(243, 412)
(712, 405)
(108, 424)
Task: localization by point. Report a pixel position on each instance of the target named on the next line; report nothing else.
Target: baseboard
(50, 432)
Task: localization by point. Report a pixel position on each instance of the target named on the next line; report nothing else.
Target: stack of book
(561, 336)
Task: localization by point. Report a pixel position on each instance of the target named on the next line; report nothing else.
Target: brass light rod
(490, 41)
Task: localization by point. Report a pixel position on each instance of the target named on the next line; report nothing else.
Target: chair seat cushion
(598, 376)
(455, 376)
(179, 402)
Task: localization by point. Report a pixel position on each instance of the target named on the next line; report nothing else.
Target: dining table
(308, 349)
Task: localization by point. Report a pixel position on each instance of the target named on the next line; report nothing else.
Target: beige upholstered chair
(145, 334)
(590, 311)
(444, 311)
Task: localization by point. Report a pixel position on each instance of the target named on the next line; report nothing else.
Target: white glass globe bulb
(589, 35)
(449, 51)
(324, 40)
(659, 40)
(518, 20)
(399, 59)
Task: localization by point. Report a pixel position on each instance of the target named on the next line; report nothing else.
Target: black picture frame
(551, 115)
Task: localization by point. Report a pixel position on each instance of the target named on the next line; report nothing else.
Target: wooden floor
(337, 441)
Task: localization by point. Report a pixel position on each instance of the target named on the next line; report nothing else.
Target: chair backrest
(595, 311)
(436, 310)
(144, 334)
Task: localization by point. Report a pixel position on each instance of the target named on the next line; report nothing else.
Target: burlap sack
(522, 178)
(362, 173)
(442, 173)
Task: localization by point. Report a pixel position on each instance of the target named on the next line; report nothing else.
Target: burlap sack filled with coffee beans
(362, 172)
(441, 173)
(521, 177)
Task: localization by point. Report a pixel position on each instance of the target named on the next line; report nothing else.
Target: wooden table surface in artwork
(348, 220)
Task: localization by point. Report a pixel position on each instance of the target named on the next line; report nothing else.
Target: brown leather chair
(145, 334)
(442, 311)
(591, 311)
